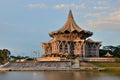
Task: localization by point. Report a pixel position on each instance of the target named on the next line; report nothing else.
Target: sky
(24, 24)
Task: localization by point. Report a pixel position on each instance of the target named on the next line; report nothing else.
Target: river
(58, 75)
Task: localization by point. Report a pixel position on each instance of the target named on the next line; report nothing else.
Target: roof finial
(70, 14)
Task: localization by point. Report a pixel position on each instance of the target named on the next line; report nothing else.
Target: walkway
(86, 64)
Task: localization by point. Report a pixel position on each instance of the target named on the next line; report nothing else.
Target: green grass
(110, 66)
(106, 64)
(115, 69)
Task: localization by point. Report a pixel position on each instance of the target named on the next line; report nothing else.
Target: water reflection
(58, 75)
(71, 75)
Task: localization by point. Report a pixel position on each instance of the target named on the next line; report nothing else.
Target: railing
(4, 64)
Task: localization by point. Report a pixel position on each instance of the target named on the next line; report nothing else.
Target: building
(72, 40)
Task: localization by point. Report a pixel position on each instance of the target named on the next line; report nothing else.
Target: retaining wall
(40, 64)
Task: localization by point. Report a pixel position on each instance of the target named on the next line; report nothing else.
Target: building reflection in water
(70, 75)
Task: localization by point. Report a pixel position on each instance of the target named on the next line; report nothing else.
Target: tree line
(113, 50)
(4, 55)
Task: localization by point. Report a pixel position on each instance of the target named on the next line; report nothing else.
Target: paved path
(86, 64)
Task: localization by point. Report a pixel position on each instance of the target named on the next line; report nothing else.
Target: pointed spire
(70, 25)
(70, 16)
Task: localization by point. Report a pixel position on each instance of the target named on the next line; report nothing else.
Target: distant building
(71, 39)
(108, 55)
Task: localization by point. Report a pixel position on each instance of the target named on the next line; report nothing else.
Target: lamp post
(36, 54)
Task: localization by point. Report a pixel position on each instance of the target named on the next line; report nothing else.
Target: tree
(4, 56)
(110, 48)
(102, 52)
(118, 46)
(114, 50)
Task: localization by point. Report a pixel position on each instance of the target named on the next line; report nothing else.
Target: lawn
(110, 66)
(106, 64)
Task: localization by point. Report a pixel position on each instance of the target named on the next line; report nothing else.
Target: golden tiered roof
(91, 41)
(71, 26)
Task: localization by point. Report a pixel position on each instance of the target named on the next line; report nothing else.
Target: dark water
(56, 75)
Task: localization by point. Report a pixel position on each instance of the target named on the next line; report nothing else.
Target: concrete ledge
(96, 59)
(54, 69)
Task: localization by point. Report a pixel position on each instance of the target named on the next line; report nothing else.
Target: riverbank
(109, 66)
(54, 69)
(104, 69)
(54, 66)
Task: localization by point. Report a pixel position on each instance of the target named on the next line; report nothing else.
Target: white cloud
(41, 5)
(115, 16)
(73, 6)
(100, 7)
(92, 15)
(105, 26)
(102, 2)
(108, 23)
